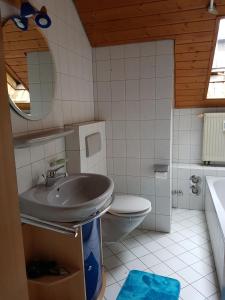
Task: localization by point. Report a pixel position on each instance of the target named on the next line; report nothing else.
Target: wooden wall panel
(186, 21)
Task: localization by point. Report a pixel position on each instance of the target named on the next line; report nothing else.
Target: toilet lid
(127, 204)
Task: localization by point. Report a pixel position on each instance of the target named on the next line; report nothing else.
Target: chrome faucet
(52, 176)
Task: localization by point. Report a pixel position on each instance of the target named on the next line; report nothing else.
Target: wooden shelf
(51, 280)
(66, 250)
(41, 137)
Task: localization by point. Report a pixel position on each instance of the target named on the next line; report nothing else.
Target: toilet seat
(127, 205)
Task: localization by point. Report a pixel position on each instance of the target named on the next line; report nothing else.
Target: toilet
(125, 214)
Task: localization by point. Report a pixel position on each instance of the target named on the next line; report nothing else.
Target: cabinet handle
(89, 268)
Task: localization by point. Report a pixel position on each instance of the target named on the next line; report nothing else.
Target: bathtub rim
(216, 201)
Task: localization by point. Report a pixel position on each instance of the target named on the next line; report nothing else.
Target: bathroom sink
(71, 198)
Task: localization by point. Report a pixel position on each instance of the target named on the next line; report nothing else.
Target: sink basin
(71, 198)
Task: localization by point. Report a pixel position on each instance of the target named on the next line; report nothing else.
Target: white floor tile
(163, 254)
(119, 273)
(189, 293)
(202, 268)
(139, 251)
(126, 256)
(153, 246)
(165, 242)
(182, 281)
(205, 287)
(150, 260)
(136, 265)
(176, 249)
(200, 252)
(189, 258)
(188, 244)
(175, 264)
(112, 291)
(117, 247)
(131, 243)
(109, 279)
(185, 255)
(112, 262)
(107, 252)
(162, 270)
(189, 275)
(143, 239)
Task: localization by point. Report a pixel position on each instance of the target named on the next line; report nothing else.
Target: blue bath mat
(147, 286)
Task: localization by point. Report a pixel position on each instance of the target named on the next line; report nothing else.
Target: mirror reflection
(29, 71)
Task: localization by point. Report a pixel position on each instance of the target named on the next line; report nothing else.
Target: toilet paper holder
(161, 168)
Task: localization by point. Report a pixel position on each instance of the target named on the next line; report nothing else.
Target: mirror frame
(12, 104)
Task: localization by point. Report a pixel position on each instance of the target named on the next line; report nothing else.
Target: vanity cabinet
(80, 255)
(92, 251)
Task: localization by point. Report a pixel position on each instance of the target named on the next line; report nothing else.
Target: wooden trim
(13, 284)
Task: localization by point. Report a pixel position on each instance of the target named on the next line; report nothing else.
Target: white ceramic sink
(72, 198)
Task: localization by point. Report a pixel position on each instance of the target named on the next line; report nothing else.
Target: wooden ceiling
(112, 22)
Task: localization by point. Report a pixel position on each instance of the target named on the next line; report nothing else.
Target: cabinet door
(92, 258)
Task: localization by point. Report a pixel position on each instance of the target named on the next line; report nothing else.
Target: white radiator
(214, 137)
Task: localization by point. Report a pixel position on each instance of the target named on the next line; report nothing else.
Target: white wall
(76, 150)
(187, 153)
(134, 93)
(74, 88)
(187, 134)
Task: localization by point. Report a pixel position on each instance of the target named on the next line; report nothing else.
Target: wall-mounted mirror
(30, 71)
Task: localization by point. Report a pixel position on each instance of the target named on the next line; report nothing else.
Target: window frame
(216, 101)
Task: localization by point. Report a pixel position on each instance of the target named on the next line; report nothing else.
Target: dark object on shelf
(37, 269)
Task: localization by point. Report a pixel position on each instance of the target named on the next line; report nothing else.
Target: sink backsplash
(33, 161)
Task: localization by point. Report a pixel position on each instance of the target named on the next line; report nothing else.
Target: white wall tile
(118, 130)
(118, 90)
(132, 90)
(117, 69)
(104, 91)
(147, 88)
(164, 88)
(141, 122)
(148, 110)
(164, 65)
(133, 166)
(147, 67)
(147, 130)
(132, 50)
(117, 52)
(148, 49)
(147, 148)
(102, 53)
(119, 148)
(133, 148)
(132, 110)
(103, 70)
(133, 185)
(132, 68)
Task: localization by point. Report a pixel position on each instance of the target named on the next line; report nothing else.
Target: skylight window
(216, 88)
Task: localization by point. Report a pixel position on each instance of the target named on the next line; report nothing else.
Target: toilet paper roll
(161, 175)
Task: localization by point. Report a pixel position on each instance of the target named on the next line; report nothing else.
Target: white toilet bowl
(125, 214)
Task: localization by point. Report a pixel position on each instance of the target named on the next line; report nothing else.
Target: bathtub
(215, 216)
